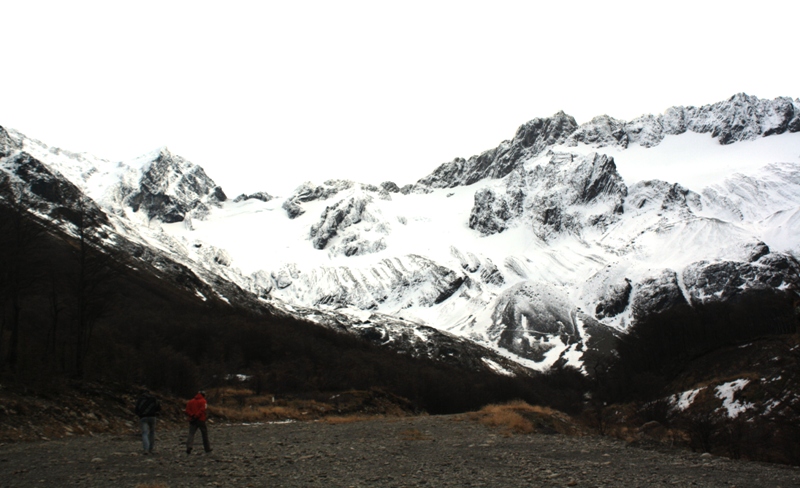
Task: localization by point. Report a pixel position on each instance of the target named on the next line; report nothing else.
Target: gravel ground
(419, 451)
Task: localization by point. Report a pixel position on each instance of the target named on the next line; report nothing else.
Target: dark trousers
(193, 426)
(148, 433)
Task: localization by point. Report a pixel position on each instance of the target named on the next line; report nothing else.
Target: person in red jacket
(196, 410)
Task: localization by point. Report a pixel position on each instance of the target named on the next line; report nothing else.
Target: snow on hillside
(648, 238)
(573, 240)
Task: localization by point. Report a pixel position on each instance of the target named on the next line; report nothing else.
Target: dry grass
(243, 405)
(518, 417)
(252, 413)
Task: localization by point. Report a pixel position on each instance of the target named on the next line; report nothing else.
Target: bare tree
(90, 288)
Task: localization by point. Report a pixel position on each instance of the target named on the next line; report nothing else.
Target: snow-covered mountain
(543, 248)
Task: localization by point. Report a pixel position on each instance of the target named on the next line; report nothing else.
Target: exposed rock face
(601, 131)
(171, 187)
(293, 209)
(337, 218)
(740, 118)
(309, 192)
(615, 300)
(7, 144)
(41, 181)
(261, 195)
(491, 212)
(664, 196)
(657, 294)
(744, 117)
(531, 140)
(528, 314)
(553, 198)
(726, 280)
(390, 186)
(348, 228)
(38, 187)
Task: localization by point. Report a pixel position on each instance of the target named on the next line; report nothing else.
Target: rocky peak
(540, 133)
(531, 139)
(170, 187)
(7, 143)
(741, 117)
(600, 131)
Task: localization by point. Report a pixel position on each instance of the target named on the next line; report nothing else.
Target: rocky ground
(414, 451)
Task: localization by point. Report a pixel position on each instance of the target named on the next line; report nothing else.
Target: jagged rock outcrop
(261, 195)
(309, 192)
(491, 212)
(337, 218)
(552, 198)
(531, 140)
(293, 209)
(725, 280)
(601, 131)
(340, 219)
(742, 117)
(36, 186)
(656, 294)
(8, 144)
(171, 187)
(614, 301)
(491, 274)
(390, 186)
(663, 196)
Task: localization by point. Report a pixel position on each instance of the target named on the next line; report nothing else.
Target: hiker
(147, 407)
(196, 410)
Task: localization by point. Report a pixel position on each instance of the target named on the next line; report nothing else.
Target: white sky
(268, 94)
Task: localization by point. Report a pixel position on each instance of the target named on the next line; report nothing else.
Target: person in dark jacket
(196, 410)
(147, 408)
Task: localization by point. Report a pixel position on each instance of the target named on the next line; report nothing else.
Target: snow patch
(497, 368)
(684, 400)
(726, 393)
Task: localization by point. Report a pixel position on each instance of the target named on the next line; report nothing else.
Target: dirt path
(422, 451)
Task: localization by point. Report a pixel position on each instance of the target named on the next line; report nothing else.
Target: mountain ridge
(548, 213)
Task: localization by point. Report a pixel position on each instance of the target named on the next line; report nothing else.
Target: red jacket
(196, 408)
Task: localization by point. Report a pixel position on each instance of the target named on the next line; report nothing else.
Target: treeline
(51, 296)
(659, 347)
(71, 309)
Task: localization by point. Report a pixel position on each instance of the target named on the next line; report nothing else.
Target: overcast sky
(265, 95)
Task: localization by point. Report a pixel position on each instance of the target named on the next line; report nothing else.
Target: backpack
(147, 406)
